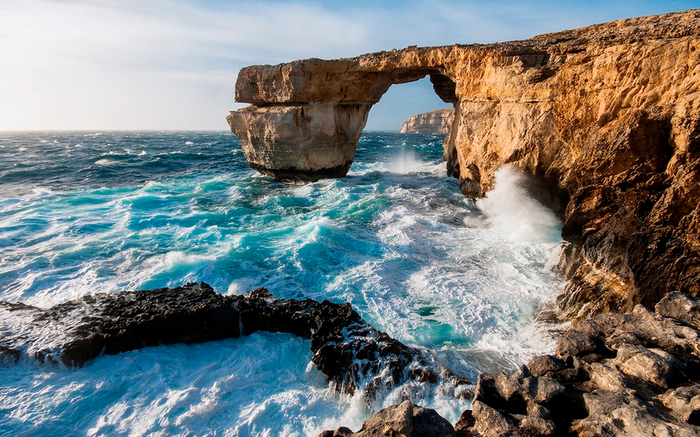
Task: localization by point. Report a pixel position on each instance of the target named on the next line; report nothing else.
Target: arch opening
(312, 129)
(406, 99)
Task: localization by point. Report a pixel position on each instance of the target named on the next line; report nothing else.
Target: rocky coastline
(606, 118)
(632, 374)
(348, 350)
(437, 121)
(636, 373)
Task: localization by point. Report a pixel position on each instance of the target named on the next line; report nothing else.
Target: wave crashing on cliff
(395, 238)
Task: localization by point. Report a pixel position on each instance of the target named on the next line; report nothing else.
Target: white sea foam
(106, 162)
(511, 212)
(407, 162)
(396, 239)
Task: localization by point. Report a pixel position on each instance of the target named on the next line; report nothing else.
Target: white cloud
(172, 64)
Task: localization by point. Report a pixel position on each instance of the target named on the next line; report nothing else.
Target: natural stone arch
(606, 118)
(311, 129)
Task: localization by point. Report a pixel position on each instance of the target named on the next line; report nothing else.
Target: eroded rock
(641, 378)
(437, 121)
(684, 403)
(349, 351)
(403, 420)
(680, 306)
(606, 118)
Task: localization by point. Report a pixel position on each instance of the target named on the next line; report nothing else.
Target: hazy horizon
(74, 65)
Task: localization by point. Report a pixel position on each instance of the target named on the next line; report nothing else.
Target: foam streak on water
(82, 213)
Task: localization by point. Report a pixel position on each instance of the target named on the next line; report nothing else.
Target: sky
(172, 64)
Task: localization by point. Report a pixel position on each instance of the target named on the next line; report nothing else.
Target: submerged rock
(349, 351)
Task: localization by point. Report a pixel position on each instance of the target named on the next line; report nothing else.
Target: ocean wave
(395, 238)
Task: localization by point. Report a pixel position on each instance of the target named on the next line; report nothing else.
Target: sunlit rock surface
(633, 374)
(607, 119)
(437, 121)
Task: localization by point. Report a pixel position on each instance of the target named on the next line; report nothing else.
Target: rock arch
(306, 117)
(606, 118)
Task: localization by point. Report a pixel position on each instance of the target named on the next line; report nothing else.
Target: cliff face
(606, 117)
(437, 121)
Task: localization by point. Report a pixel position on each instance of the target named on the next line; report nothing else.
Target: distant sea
(89, 212)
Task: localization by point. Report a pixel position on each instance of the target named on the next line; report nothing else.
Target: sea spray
(510, 212)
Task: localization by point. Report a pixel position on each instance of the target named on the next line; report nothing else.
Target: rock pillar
(303, 142)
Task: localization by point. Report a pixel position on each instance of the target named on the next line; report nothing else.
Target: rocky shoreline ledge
(632, 374)
(348, 350)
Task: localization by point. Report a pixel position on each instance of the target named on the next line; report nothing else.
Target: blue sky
(172, 64)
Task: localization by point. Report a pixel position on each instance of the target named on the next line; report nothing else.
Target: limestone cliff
(437, 121)
(606, 117)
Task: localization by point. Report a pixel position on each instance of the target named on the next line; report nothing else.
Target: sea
(99, 212)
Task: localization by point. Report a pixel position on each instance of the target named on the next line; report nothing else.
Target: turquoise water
(82, 213)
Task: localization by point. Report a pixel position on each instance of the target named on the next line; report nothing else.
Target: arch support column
(300, 142)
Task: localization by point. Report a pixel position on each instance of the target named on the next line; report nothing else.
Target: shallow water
(82, 213)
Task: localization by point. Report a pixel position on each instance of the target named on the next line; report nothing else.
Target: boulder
(403, 420)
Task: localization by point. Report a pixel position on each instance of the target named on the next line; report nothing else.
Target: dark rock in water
(348, 350)
(404, 420)
(76, 331)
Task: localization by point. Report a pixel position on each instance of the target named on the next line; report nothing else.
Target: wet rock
(403, 420)
(76, 331)
(348, 350)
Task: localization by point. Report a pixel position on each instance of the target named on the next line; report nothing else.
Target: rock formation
(437, 121)
(606, 118)
(349, 351)
(634, 374)
(405, 419)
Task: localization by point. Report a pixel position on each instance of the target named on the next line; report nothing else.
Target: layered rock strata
(633, 374)
(606, 118)
(437, 121)
(349, 351)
